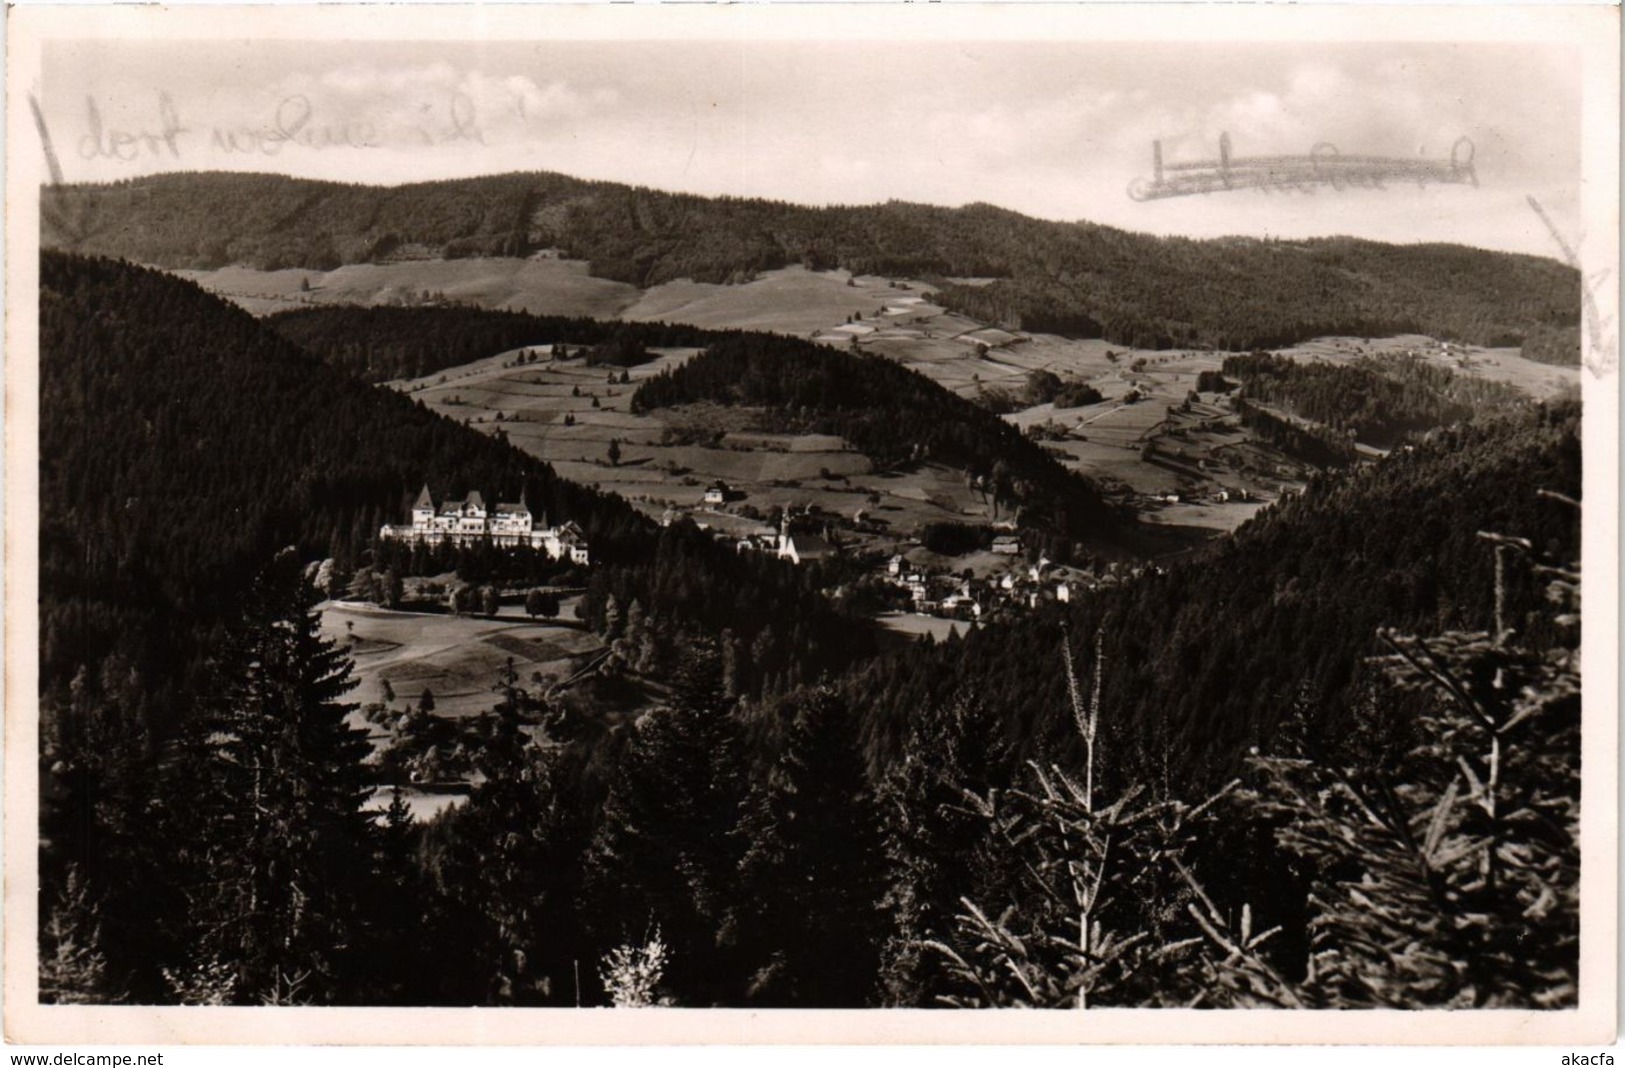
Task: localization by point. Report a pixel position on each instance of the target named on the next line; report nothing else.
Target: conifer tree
(73, 969)
(98, 769)
(393, 939)
(812, 873)
(1449, 879)
(280, 840)
(664, 853)
(1075, 921)
(514, 854)
(933, 843)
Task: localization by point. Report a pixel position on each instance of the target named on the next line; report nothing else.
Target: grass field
(793, 300)
(540, 286)
(549, 409)
(1539, 380)
(669, 458)
(898, 320)
(457, 658)
(914, 625)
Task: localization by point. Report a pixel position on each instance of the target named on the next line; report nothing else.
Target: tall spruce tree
(813, 870)
(99, 827)
(665, 856)
(1449, 879)
(933, 841)
(508, 873)
(280, 843)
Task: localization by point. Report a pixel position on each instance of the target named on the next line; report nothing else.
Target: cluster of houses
(505, 525)
(955, 597)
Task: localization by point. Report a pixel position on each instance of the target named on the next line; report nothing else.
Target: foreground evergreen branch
(73, 969)
(1086, 923)
(1450, 879)
(1445, 877)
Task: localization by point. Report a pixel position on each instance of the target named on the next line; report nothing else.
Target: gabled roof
(504, 508)
(475, 500)
(808, 544)
(425, 500)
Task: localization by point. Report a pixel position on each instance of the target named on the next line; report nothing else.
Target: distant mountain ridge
(1078, 279)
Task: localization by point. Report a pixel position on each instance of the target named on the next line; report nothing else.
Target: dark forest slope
(1073, 278)
(376, 344)
(182, 443)
(1267, 631)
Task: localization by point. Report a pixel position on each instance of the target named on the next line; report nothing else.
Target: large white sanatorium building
(507, 526)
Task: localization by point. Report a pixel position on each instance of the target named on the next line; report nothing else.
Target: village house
(468, 521)
(1007, 545)
(763, 539)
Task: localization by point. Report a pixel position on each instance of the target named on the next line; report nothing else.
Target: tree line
(1077, 279)
(379, 344)
(1377, 402)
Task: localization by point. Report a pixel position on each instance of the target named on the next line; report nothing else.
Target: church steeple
(425, 500)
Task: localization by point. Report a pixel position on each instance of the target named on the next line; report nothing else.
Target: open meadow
(458, 659)
(569, 414)
(1136, 441)
(541, 285)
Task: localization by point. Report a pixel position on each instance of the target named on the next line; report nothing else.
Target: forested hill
(1073, 278)
(1266, 634)
(377, 344)
(1377, 402)
(891, 414)
(182, 443)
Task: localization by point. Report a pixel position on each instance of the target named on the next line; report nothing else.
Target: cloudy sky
(1056, 129)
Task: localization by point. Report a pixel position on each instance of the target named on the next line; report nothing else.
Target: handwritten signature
(293, 124)
(1323, 166)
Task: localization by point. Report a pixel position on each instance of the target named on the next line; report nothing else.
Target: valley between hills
(862, 554)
